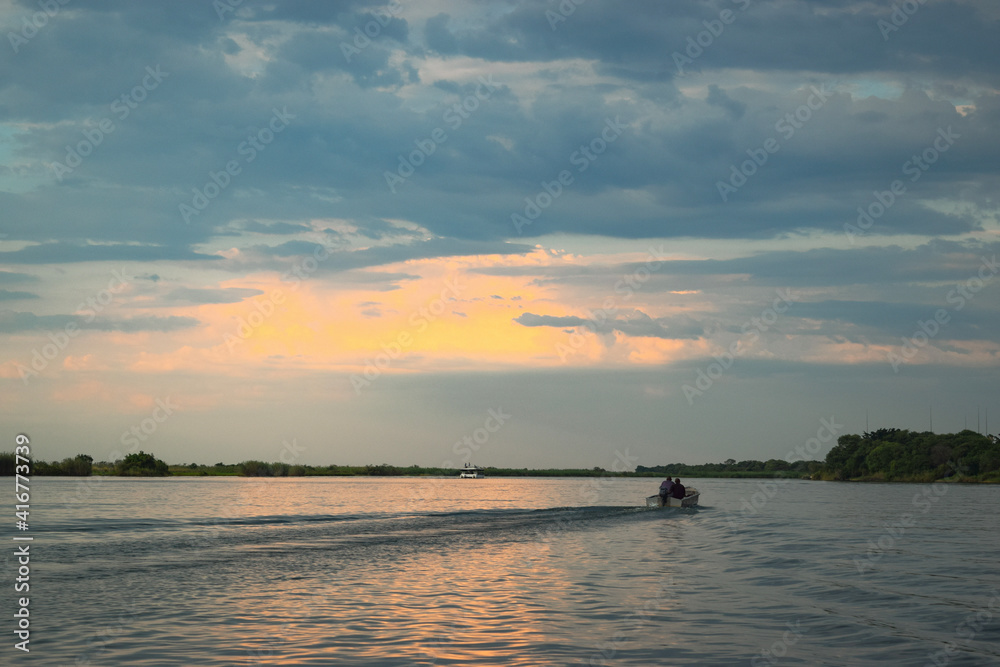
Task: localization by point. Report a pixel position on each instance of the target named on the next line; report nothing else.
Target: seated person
(665, 487)
(678, 489)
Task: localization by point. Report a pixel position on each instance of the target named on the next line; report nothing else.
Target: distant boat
(472, 472)
(690, 499)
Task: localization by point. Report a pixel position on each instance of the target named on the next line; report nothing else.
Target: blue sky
(691, 230)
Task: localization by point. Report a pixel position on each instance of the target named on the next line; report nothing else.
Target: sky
(525, 233)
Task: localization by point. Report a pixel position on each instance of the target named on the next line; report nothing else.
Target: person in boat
(677, 491)
(665, 488)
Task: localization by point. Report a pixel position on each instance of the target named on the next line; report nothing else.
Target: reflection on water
(404, 571)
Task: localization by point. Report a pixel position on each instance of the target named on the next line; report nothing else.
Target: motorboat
(471, 472)
(690, 499)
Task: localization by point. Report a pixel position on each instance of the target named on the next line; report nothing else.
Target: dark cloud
(12, 278)
(887, 322)
(344, 260)
(532, 320)
(17, 322)
(940, 261)
(837, 37)
(275, 227)
(636, 323)
(718, 97)
(8, 295)
(352, 124)
(53, 253)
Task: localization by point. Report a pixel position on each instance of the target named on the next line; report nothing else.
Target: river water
(525, 571)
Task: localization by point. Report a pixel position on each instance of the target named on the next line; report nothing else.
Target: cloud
(353, 120)
(636, 324)
(275, 227)
(18, 322)
(12, 278)
(205, 296)
(8, 295)
(55, 253)
(345, 260)
(937, 261)
(718, 97)
(533, 320)
(888, 322)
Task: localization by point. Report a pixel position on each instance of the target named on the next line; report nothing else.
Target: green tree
(881, 458)
(913, 455)
(255, 469)
(839, 459)
(7, 464)
(383, 469)
(141, 464)
(776, 464)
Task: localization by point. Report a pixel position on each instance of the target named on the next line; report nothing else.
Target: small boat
(471, 472)
(690, 499)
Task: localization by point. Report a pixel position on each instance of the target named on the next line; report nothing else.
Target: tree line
(139, 464)
(887, 454)
(893, 454)
(733, 468)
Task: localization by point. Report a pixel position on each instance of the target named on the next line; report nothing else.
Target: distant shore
(415, 472)
(250, 469)
(882, 456)
(182, 472)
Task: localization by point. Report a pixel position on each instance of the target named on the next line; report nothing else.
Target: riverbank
(987, 478)
(418, 472)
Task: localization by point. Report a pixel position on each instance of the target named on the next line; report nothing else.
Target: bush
(141, 464)
(255, 469)
(7, 464)
(381, 470)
